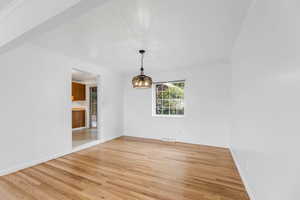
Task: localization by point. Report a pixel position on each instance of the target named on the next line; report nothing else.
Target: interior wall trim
(226, 146)
(29, 164)
(242, 175)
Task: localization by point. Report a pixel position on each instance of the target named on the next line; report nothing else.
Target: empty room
(149, 99)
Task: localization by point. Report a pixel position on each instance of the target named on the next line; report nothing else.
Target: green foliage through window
(169, 98)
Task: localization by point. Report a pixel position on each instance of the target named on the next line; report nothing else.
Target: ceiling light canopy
(142, 81)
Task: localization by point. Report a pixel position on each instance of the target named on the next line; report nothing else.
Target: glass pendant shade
(142, 81)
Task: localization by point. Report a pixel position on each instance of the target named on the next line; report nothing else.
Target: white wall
(266, 96)
(35, 105)
(207, 98)
(18, 17)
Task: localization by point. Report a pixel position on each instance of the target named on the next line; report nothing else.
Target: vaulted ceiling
(175, 33)
(4, 3)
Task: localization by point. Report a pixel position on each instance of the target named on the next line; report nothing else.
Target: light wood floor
(80, 137)
(131, 169)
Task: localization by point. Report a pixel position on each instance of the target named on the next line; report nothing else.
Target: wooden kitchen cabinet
(78, 118)
(78, 92)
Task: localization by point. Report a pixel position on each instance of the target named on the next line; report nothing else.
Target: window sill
(169, 116)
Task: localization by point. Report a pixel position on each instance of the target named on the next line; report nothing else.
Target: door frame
(99, 109)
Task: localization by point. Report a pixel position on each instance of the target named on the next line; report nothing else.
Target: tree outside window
(169, 99)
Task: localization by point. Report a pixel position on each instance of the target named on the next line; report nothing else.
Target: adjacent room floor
(133, 169)
(84, 136)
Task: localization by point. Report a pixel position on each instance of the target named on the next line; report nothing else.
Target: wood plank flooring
(132, 169)
(80, 137)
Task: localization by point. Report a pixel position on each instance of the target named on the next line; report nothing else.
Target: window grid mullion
(163, 100)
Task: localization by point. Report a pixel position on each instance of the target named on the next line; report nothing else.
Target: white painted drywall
(175, 33)
(35, 105)
(23, 15)
(266, 94)
(207, 99)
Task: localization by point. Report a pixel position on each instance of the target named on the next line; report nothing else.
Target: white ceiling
(83, 76)
(5, 3)
(175, 33)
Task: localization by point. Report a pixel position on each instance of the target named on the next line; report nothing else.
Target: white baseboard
(85, 146)
(249, 191)
(110, 138)
(93, 143)
(78, 129)
(30, 164)
(173, 139)
(48, 158)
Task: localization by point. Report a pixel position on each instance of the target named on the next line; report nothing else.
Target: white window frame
(154, 100)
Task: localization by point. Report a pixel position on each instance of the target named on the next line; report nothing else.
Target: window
(168, 99)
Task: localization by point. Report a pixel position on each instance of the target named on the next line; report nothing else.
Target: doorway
(84, 108)
(93, 107)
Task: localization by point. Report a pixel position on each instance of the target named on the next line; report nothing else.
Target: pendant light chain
(142, 63)
(142, 81)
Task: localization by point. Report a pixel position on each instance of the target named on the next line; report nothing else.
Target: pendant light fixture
(142, 81)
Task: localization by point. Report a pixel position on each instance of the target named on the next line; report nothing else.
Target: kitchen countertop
(78, 109)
